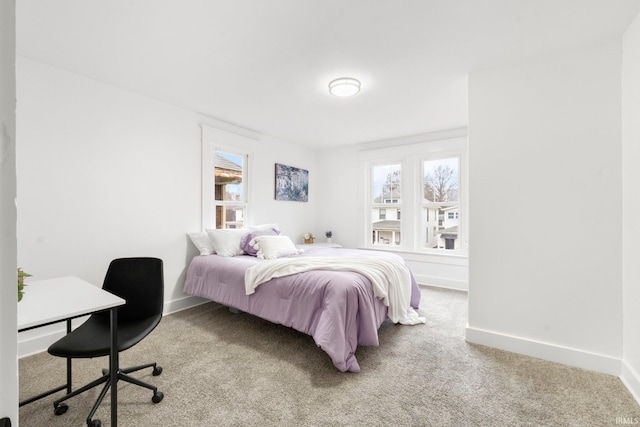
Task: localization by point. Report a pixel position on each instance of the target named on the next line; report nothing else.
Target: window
(386, 189)
(230, 202)
(414, 197)
(440, 201)
(225, 179)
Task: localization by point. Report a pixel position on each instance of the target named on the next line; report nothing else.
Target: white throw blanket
(390, 278)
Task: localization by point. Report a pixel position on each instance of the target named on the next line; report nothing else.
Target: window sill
(424, 256)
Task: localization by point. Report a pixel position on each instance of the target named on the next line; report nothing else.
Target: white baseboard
(554, 353)
(182, 304)
(631, 380)
(37, 343)
(38, 340)
(441, 282)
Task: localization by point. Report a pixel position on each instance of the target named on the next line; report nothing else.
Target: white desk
(62, 299)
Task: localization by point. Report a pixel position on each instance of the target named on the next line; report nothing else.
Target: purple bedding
(337, 308)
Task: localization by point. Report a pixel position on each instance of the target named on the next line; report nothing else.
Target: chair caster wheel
(157, 371)
(157, 397)
(94, 423)
(60, 409)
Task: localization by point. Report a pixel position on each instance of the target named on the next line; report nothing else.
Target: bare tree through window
(441, 205)
(385, 219)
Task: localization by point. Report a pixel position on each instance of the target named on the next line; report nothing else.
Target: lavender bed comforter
(337, 308)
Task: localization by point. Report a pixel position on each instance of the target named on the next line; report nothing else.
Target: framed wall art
(292, 183)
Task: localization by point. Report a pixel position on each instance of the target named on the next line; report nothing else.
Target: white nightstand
(324, 244)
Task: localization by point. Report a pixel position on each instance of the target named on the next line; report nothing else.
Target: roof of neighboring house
(449, 233)
(388, 195)
(387, 225)
(222, 163)
(226, 171)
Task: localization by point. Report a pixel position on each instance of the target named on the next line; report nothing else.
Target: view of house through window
(441, 204)
(386, 204)
(229, 197)
(415, 197)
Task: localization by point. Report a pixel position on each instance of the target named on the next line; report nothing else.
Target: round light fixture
(344, 86)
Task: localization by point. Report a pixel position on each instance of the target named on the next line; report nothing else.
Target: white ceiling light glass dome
(344, 86)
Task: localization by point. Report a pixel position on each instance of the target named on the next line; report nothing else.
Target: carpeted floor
(224, 369)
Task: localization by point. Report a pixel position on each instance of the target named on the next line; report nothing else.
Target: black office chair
(140, 282)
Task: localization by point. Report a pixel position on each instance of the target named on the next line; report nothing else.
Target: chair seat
(93, 338)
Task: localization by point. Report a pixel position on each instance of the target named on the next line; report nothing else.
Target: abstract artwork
(292, 183)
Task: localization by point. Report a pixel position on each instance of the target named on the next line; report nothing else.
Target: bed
(335, 305)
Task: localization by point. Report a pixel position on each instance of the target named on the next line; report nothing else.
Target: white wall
(631, 206)
(105, 173)
(8, 292)
(545, 279)
(338, 205)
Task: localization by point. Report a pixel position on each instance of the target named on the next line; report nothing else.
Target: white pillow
(202, 242)
(272, 247)
(226, 242)
(265, 227)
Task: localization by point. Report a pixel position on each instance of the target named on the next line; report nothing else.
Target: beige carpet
(223, 369)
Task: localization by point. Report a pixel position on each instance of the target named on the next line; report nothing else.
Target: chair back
(140, 282)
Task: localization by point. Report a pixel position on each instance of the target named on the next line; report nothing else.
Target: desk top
(54, 300)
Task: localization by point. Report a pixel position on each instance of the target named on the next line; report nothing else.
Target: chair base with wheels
(59, 407)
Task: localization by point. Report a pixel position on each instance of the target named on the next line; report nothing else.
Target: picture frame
(291, 183)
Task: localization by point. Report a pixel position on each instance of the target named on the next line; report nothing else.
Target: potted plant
(309, 238)
(21, 285)
(328, 235)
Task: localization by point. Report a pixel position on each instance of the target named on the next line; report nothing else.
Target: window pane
(441, 210)
(441, 225)
(386, 184)
(441, 180)
(385, 226)
(229, 216)
(385, 222)
(228, 176)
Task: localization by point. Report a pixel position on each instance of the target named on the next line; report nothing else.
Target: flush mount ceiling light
(344, 86)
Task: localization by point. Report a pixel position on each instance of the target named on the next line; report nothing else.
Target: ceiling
(265, 64)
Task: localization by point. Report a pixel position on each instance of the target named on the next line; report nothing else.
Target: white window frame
(411, 157)
(219, 140)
